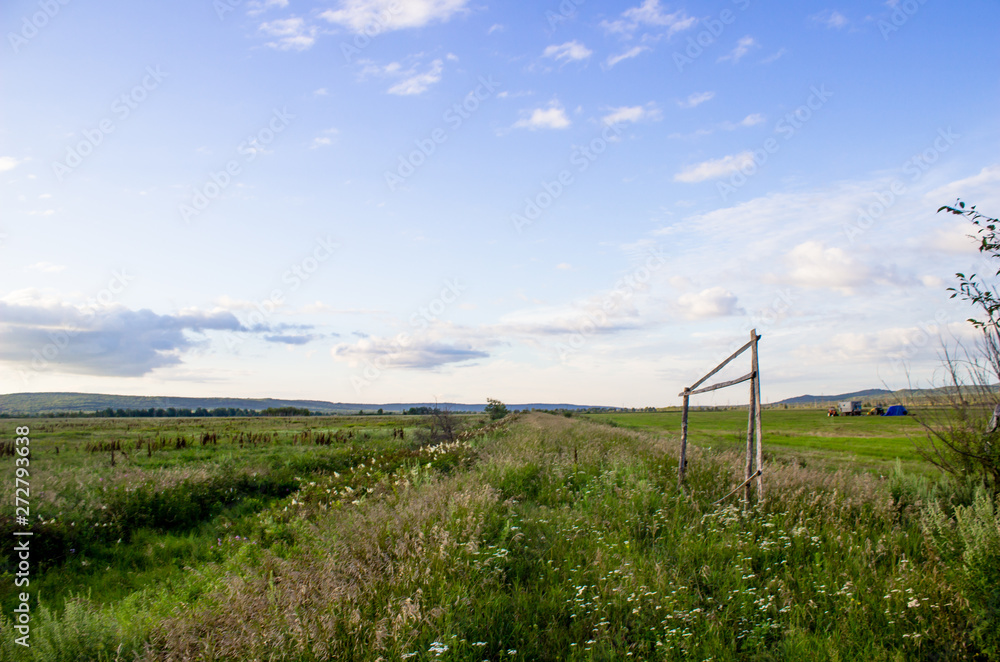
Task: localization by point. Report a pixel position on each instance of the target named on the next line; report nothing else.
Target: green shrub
(969, 545)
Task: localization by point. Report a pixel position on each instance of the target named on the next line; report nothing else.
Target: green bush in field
(969, 544)
(495, 409)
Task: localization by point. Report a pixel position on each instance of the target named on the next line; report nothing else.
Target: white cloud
(8, 163)
(935, 282)
(713, 302)
(113, 341)
(743, 47)
(375, 16)
(324, 140)
(553, 117)
(831, 18)
(714, 168)
(773, 57)
(570, 51)
(814, 265)
(899, 344)
(630, 53)
(496, 27)
(649, 14)
(954, 238)
(419, 83)
(259, 7)
(421, 353)
(972, 189)
(292, 33)
(696, 99)
(632, 114)
(750, 120)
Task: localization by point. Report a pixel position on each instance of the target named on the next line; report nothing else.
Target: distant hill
(902, 396)
(823, 399)
(43, 403)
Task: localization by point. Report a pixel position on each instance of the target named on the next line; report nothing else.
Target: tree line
(170, 412)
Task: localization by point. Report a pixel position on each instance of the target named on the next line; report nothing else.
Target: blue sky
(403, 200)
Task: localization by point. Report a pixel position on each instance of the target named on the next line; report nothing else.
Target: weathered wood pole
(684, 439)
(751, 428)
(760, 434)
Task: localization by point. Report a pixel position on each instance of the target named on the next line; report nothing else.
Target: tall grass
(563, 539)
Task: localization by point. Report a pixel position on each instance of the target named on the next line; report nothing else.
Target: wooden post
(755, 461)
(750, 433)
(760, 440)
(684, 439)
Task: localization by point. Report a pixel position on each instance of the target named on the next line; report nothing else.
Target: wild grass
(565, 539)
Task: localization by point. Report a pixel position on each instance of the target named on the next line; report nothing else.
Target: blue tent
(895, 410)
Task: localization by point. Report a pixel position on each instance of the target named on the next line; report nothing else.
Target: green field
(807, 436)
(108, 524)
(538, 537)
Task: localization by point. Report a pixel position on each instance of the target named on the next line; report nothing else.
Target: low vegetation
(534, 537)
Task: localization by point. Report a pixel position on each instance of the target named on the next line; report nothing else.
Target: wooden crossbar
(741, 485)
(754, 465)
(714, 387)
(720, 366)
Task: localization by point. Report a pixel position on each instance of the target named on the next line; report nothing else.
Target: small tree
(495, 409)
(440, 425)
(967, 443)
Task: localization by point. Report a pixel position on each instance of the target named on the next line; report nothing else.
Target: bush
(495, 409)
(969, 545)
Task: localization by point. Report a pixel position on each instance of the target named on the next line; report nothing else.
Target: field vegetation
(536, 537)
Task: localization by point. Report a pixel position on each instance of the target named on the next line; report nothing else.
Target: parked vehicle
(850, 408)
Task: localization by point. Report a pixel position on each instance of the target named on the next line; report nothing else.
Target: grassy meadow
(539, 537)
(806, 436)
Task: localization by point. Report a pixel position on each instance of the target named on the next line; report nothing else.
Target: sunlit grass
(558, 539)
